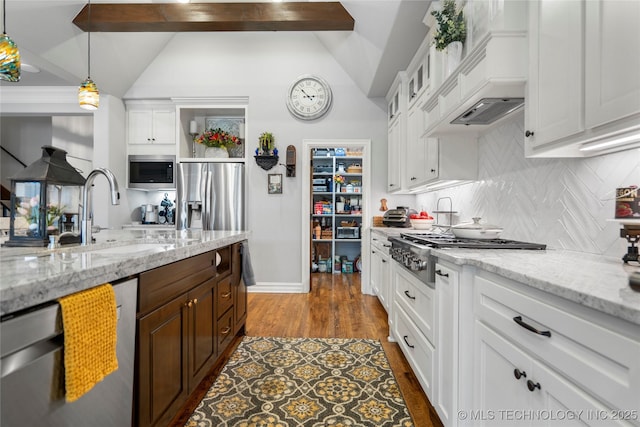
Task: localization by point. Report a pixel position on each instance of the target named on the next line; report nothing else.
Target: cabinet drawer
(418, 301)
(418, 350)
(224, 296)
(577, 342)
(224, 330)
(162, 284)
(380, 243)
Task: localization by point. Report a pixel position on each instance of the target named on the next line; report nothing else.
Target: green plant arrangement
(218, 138)
(267, 143)
(451, 25)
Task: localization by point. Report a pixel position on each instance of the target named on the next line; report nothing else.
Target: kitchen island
(32, 276)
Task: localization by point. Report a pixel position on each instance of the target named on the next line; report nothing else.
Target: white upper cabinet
(583, 96)
(612, 60)
(151, 125)
(555, 90)
(396, 161)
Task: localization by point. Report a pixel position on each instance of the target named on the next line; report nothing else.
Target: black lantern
(41, 195)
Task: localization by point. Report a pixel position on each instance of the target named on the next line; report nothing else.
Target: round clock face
(309, 97)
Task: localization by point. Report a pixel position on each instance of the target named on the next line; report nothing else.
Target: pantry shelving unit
(337, 209)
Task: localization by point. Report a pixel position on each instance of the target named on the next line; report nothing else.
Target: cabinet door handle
(189, 303)
(407, 342)
(386, 245)
(528, 133)
(433, 171)
(409, 295)
(532, 386)
(373, 252)
(384, 260)
(519, 321)
(440, 273)
(413, 178)
(226, 295)
(195, 300)
(225, 331)
(519, 374)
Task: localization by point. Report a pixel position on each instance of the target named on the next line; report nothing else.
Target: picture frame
(274, 183)
(232, 125)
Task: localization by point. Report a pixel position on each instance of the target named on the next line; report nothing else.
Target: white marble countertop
(591, 280)
(31, 276)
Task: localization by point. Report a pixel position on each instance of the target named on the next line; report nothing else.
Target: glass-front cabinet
(336, 209)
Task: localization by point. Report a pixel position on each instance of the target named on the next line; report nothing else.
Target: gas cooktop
(450, 241)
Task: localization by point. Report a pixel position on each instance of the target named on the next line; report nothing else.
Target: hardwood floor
(335, 307)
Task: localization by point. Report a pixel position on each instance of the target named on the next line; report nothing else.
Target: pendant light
(88, 95)
(9, 54)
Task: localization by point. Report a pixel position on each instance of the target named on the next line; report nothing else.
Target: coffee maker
(149, 214)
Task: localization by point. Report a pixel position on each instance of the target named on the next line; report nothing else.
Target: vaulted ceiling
(48, 39)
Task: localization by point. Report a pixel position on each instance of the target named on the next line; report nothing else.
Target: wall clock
(309, 97)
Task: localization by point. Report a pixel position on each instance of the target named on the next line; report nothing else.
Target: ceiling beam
(176, 17)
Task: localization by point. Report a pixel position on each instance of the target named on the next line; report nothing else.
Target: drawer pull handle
(225, 331)
(409, 295)
(195, 300)
(226, 295)
(519, 321)
(190, 303)
(519, 374)
(440, 273)
(407, 342)
(386, 245)
(532, 386)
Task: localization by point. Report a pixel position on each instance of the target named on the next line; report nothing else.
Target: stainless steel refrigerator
(210, 196)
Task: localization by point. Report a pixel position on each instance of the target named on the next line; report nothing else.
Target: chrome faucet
(87, 211)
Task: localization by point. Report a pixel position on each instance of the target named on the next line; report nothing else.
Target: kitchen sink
(132, 248)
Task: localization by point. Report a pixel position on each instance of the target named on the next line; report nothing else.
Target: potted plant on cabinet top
(451, 33)
(266, 153)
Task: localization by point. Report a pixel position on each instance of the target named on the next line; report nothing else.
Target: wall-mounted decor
(275, 183)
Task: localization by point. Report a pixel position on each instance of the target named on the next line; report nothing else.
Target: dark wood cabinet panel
(239, 288)
(186, 319)
(225, 330)
(224, 295)
(202, 324)
(162, 379)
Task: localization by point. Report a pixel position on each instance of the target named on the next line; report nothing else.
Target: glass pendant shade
(88, 95)
(9, 59)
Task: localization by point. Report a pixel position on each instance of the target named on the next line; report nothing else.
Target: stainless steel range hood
(488, 110)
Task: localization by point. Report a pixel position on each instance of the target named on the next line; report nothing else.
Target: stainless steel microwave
(152, 172)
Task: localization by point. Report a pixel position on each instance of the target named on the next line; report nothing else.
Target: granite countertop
(31, 276)
(591, 280)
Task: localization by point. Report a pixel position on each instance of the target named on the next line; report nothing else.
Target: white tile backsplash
(565, 203)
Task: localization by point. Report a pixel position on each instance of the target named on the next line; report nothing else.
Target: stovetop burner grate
(449, 241)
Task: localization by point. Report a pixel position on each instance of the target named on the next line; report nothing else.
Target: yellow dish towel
(89, 320)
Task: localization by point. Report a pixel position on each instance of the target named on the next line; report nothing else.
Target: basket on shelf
(326, 234)
(354, 169)
(378, 221)
(347, 223)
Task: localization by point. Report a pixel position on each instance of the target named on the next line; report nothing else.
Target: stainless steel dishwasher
(33, 379)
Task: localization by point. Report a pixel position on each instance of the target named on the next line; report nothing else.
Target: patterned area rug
(311, 382)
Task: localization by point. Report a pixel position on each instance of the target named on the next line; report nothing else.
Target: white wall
(261, 66)
(565, 203)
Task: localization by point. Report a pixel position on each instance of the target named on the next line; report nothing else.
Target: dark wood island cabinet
(188, 313)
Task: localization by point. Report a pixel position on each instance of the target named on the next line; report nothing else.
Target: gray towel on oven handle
(247, 270)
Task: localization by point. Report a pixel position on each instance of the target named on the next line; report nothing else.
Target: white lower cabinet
(380, 274)
(445, 398)
(413, 322)
(539, 360)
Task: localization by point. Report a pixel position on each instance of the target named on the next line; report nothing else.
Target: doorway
(335, 194)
